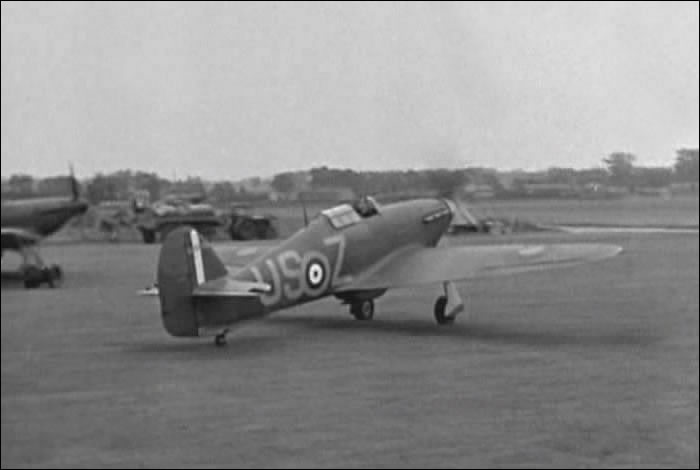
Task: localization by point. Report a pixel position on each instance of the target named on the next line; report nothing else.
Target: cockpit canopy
(342, 216)
(366, 206)
(345, 215)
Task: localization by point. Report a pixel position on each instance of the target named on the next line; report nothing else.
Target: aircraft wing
(16, 238)
(420, 265)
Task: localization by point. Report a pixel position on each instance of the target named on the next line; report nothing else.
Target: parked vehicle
(246, 224)
(157, 220)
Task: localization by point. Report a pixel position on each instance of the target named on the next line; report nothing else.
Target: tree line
(618, 170)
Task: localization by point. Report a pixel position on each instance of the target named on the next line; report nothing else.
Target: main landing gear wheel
(54, 276)
(439, 310)
(363, 310)
(33, 277)
(220, 339)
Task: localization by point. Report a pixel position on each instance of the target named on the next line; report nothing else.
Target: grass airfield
(591, 366)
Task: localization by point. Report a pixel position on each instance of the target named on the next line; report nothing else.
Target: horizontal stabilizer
(227, 287)
(224, 287)
(151, 291)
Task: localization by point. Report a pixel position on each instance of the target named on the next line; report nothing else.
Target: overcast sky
(230, 90)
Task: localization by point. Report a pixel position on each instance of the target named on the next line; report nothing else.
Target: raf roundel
(315, 274)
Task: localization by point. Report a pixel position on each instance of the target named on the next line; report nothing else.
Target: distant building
(58, 186)
(478, 191)
(685, 188)
(652, 191)
(511, 180)
(327, 195)
(253, 186)
(19, 187)
(549, 189)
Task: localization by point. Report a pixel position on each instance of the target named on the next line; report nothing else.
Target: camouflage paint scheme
(353, 255)
(320, 259)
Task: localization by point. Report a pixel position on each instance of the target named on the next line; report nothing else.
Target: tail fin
(197, 297)
(185, 263)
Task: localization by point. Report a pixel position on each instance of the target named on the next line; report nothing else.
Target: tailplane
(197, 297)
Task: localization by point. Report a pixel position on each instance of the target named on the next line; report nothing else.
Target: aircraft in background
(25, 222)
(353, 252)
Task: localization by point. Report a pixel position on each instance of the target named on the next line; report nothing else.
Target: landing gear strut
(35, 272)
(220, 339)
(448, 306)
(362, 310)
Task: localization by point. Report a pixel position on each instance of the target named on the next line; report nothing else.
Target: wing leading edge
(420, 265)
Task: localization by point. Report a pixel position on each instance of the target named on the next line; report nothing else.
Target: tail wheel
(439, 311)
(363, 310)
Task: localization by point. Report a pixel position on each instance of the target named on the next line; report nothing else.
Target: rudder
(185, 262)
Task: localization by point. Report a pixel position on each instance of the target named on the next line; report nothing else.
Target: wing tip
(609, 251)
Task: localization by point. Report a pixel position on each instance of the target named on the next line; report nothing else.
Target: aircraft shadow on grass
(178, 351)
(532, 336)
(287, 329)
(11, 280)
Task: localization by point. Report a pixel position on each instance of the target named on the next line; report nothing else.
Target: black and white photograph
(319, 234)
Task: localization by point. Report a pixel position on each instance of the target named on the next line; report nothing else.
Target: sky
(226, 91)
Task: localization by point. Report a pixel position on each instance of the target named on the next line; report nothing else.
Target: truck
(155, 221)
(246, 224)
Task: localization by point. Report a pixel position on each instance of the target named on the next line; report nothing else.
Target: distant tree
(101, 188)
(324, 178)
(686, 166)
(284, 182)
(54, 186)
(492, 180)
(652, 177)
(592, 176)
(621, 167)
(149, 182)
(445, 182)
(561, 175)
(21, 185)
(191, 187)
(223, 192)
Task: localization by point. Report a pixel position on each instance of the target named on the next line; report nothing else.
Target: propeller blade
(74, 186)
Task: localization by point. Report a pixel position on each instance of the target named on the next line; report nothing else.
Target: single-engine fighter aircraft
(26, 222)
(355, 253)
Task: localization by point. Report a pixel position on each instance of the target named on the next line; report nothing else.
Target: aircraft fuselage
(40, 216)
(310, 264)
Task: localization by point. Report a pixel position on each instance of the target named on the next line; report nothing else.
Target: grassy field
(676, 212)
(594, 366)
